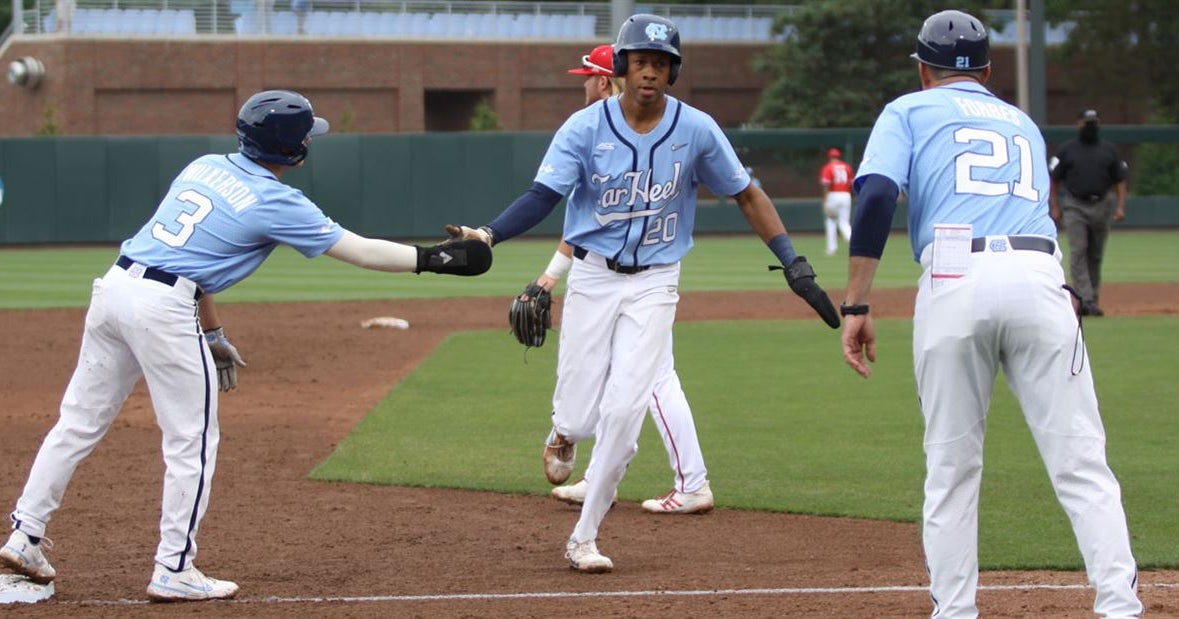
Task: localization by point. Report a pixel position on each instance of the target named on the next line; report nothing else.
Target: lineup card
(951, 252)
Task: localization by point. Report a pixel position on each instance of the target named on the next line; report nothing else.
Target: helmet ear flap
(620, 67)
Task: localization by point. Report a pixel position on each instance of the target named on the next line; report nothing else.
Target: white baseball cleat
(24, 557)
(676, 502)
(558, 458)
(189, 585)
(18, 589)
(574, 494)
(584, 557)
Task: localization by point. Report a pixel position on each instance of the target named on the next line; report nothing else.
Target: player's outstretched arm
(451, 258)
(521, 215)
(759, 211)
(465, 233)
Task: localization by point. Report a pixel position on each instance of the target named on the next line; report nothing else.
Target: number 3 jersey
(633, 196)
(963, 156)
(222, 217)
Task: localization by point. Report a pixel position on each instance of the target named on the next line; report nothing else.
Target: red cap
(834, 152)
(598, 62)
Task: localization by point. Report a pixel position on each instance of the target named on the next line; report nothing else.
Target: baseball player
(992, 296)
(690, 492)
(600, 82)
(221, 218)
(629, 166)
(835, 178)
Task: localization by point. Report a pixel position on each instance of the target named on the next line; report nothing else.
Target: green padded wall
(407, 186)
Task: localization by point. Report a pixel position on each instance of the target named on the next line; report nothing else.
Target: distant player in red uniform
(836, 178)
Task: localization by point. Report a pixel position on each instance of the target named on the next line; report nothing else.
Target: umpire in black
(1089, 169)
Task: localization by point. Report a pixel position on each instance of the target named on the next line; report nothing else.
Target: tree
(1126, 48)
(843, 61)
(484, 117)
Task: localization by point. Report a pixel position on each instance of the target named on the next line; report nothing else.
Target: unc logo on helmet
(273, 126)
(648, 33)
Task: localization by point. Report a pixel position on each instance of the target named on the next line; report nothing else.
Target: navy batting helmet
(274, 125)
(953, 40)
(648, 32)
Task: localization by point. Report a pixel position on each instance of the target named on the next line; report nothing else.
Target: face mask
(1088, 133)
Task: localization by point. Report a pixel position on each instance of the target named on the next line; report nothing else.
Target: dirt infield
(391, 551)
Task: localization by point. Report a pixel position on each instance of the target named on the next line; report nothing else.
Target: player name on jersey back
(986, 109)
(222, 182)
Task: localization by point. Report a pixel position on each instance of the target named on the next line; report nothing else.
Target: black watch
(860, 309)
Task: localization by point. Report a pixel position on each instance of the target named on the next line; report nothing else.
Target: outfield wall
(101, 189)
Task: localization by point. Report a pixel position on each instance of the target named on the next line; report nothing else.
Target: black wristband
(860, 309)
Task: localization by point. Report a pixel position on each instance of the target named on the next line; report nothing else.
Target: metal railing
(410, 19)
(377, 18)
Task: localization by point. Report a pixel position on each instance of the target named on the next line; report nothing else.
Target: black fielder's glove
(531, 315)
(801, 278)
(455, 258)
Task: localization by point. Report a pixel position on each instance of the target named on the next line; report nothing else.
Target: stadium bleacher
(127, 22)
(424, 25)
(465, 19)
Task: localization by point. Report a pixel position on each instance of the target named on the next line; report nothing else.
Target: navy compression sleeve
(525, 212)
(876, 202)
(783, 249)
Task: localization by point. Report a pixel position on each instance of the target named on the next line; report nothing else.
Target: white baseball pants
(1009, 311)
(837, 218)
(673, 418)
(137, 328)
(615, 333)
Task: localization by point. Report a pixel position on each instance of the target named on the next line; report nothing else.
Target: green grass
(60, 277)
(785, 426)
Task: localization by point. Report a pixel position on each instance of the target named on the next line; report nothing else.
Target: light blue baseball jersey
(222, 217)
(963, 156)
(634, 196)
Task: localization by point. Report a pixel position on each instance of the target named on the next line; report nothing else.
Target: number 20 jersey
(633, 196)
(963, 156)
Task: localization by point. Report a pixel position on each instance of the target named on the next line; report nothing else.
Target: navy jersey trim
(234, 164)
(200, 492)
(675, 120)
(984, 91)
(634, 165)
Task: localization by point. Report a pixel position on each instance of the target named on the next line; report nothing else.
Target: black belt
(1092, 198)
(580, 253)
(1030, 243)
(155, 275)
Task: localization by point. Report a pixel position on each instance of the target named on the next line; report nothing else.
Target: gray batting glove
(226, 357)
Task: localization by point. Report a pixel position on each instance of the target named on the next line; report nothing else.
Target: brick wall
(121, 87)
(195, 86)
